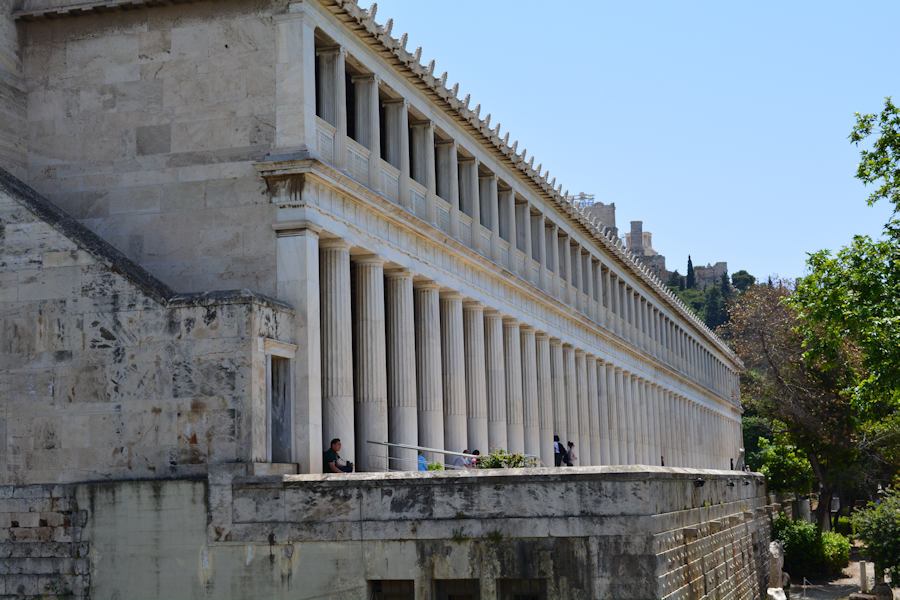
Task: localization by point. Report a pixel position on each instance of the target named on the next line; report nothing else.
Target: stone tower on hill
(640, 243)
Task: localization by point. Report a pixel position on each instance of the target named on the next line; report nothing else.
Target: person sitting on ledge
(333, 461)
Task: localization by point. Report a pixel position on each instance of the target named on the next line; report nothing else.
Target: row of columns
(566, 269)
(404, 360)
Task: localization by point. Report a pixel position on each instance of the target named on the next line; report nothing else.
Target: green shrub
(844, 527)
(836, 551)
(807, 552)
(501, 459)
(435, 466)
(878, 527)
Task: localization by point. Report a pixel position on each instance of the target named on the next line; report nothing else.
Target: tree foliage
(878, 527)
(691, 281)
(880, 164)
(742, 280)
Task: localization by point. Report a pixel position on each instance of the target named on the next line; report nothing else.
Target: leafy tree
(741, 280)
(676, 281)
(691, 282)
(785, 466)
(754, 427)
(878, 527)
(714, 313)
(725, 287)
(880, 165)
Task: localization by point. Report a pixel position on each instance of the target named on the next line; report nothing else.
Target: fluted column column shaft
(603, 385)
(369, 359)
(429, 388)
(558, 379)
(571, 383)
(545, 397)
(453, 371)
(595, 419)
(630, 420)
(621, 420)
(659, 424)
(401, 369)
(530, 401)
(337, 347)
(515, 412)
(476, 385)
(641, 451)
(495, 369)
(584, 408)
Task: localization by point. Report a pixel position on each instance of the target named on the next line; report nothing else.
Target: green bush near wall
(808, 552)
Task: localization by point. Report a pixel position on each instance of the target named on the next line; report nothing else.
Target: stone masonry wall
(42, 554)
(579, 533)
(144, 125)
(101, 378)
(12, 95)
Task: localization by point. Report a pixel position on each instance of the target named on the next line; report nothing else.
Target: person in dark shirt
(333, 463)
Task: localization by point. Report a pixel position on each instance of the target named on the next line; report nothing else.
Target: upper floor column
(295, 75)
(396, 146)
(423, 164)
(368, 126)
(331, 97)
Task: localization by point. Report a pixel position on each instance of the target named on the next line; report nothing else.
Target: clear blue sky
(721, 124)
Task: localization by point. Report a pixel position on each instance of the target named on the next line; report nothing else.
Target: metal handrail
(423, 449)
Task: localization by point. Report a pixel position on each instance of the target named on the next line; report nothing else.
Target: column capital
(330, 50)
(579, 352)
(510, 322)
(334, 242)
(447, 294)
(426, 284)
(365, 77)
(368, 259)
(555, 341)
(291, 228)
(492, 313)
(473, 305)
(541, 335)
(529, 328)
(397, 273)
(568, 345)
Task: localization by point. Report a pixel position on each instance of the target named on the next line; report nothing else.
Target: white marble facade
(446, 294)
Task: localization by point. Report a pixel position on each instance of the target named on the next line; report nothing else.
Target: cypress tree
(691, 282)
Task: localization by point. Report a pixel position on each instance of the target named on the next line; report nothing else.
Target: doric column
(529, 248)
(495, 370)
(429, 388)
(589, 279)
(545, 397)
(619, 443)
(489, 186)
(659, 423)
(337, 348)
(604, 384)
(584, 409)
(566, 292)
(515, 417)
(423, 169)
(530, 392)
(297, 273)
(642, 450)
(577, 280)
(558, 379)
(571, 382)
(590, 363)
(649, 418)
(370, 365)
(476, 386)
(508, 202)
(401, 368)
(630, 420)
(453, 371)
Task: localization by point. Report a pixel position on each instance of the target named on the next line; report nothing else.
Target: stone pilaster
(337, 347)
(476, 385)
(515, 413)
(545, 396)
(370, 365)
(429, 386)
(297, 269)
(495, 369)
(454, 372)
(401, 368)
(530, 400)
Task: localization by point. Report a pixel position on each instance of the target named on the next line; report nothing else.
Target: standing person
(570, 455)
(460, 462)
(473, 464)
(558, 452)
